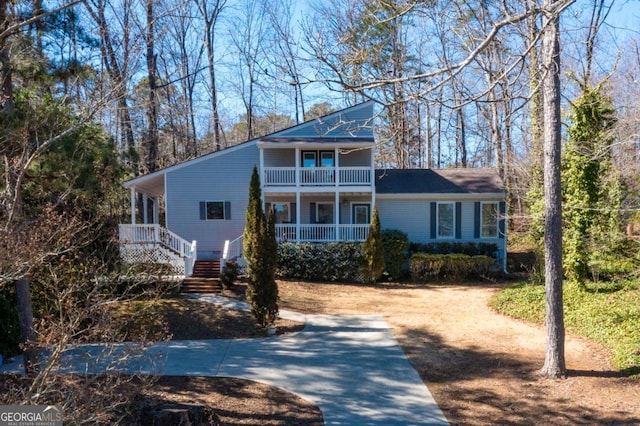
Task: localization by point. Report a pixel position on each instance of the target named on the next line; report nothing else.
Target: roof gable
(354, 124)
(445, 181)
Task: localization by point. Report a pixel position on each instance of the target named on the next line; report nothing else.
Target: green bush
(395, 244)
(332, 262)
(9, 327)
(229, 274)
(446, 247)
(425, 267)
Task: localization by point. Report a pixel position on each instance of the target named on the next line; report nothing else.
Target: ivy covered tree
(259, 249)
(591, 189)
(373, 248)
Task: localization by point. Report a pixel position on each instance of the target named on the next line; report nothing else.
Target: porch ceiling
(152, 185)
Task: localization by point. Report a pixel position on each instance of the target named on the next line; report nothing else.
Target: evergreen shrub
(229, 274)
(396, 246)
(329, 262)
(446, 247)
(425, 267)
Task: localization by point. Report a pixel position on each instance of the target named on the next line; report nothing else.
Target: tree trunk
(554, 364)
(151, 151)
(25, 319)
(6, 84)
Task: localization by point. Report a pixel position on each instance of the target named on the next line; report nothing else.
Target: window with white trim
(446, 215)
(489, 220)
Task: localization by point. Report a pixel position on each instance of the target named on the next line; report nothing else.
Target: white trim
(352, 205)
(313, 145)
(165, 198)
(136, 180)
(453, 225)
(489, 196)
(304, 152)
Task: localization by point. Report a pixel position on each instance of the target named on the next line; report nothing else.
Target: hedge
(329, 262)
(425, 267)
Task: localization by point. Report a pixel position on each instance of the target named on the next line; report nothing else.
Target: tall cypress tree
(259, 246)
(373, 248)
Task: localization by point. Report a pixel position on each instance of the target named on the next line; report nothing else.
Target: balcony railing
(321, 233)
(317, 176)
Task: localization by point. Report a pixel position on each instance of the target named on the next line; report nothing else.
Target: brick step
(206, 269)
(200, 285)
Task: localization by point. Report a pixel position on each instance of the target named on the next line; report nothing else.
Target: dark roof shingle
(445, 181)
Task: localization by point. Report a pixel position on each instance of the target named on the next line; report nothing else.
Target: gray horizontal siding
(279, 157)
(413, 217)
(221, 178)
(356, 158)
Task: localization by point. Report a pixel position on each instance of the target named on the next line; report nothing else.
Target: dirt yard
(480, 366)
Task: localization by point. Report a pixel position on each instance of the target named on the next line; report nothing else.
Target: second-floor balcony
(317, 176)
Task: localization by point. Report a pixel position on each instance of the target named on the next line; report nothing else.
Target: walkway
(351, 367)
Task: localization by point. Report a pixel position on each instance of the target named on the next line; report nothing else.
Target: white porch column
(298, 215)
(336, 213)
(373, 180)
(336, 165)
(145, 208)
(156, 210)
(297, 172)
(133, 205)
(261, 167)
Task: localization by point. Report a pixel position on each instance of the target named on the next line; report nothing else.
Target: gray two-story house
(320, 179)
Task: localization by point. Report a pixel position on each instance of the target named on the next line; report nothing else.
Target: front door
(360, 214)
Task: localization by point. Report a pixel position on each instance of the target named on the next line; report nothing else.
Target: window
(215, 210)
(489, 220)
(361, 214)
(282, 212)
(324, 213)
(326, 159)
(445, 220)
(308, 159)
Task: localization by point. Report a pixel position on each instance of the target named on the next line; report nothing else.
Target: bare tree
(210, 12)
(117, 65)
(247, 35)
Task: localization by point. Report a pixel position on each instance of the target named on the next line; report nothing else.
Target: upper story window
(489, 220)
(327, 159)
(318, 159)
(445, 220)
(309, 159)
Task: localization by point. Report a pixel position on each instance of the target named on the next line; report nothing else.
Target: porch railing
(322, 233)
(154, 233)
(317, 176)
